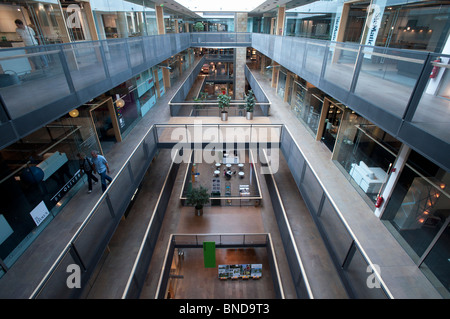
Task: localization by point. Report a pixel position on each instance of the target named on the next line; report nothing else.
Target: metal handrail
(344, 222)
(85, 222)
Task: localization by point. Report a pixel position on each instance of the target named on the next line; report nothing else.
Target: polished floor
(191, 283)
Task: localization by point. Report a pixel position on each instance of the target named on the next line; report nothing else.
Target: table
(241, 174)
(241, 166)
(216, 173)
(228, 165)
(218, 165)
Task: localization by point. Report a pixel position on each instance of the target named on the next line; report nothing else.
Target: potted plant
(250, 104)
(224, 102)
(198, 26)
(198, 197)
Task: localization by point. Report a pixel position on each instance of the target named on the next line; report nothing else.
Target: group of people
(95, 164)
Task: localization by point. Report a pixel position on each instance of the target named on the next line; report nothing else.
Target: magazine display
(243, 271)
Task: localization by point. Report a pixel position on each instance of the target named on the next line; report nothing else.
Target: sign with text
(39, 213)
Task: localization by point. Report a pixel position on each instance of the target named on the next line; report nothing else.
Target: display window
(417, 214)
(39, 175)
(365, 154)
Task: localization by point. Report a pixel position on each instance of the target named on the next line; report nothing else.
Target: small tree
(198, 197)
(250, 101)
(224, 101)
(198, 26)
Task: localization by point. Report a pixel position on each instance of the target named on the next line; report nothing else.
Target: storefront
(40, 174)
(306, 104)
(44, 18)
(365, 154)
(145, 91)
(123, 19)
(417, 214)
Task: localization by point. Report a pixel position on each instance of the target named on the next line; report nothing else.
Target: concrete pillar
(166, 75)
(122, 27)
(160, 19)
(280, 20)
(240, 58)
(275, 74)
(90, 21)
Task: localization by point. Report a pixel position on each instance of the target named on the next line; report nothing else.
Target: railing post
(65, 67)
(357, 69)
(105, 64)
(418, 89)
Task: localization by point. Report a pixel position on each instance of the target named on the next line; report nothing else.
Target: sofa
(369, 179)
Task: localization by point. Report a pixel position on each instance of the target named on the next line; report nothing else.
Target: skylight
(220, 5)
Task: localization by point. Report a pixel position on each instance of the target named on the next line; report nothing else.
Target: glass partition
(435, 99)
(395, 73)
(40, 175)
(365, 153)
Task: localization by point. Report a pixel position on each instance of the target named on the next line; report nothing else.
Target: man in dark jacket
(86, 167)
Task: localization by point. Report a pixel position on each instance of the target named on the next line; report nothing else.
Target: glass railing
(86, 246)
(382, 84)
(35, 77)
(181, 241)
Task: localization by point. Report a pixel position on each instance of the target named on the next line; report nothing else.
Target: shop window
(39, 175)
(418, 215)
(364, 152)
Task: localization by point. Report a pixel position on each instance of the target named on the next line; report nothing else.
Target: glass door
(106, 125)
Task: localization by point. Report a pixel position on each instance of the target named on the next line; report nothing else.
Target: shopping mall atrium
(257, 149)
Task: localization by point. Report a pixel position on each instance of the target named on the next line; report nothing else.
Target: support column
(280, 20)
(263, 64)
(275, 74)
(166, 75)
(160, 19)
(90, 21)
(156, 81)
(287, 92)
(240, 58)
(122, 27)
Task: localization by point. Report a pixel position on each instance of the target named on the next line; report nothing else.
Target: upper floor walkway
(389, 87)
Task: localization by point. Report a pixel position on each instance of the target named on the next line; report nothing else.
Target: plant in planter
(198, 197)
(198, 26)
(224, 102)
(250, 104)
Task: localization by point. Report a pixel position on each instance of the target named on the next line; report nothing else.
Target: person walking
(101, 167)
(86, 167)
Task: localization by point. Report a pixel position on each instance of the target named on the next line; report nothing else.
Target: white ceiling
(268, 6)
